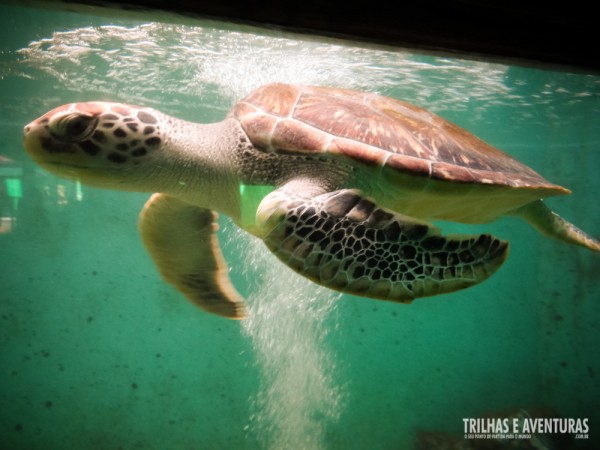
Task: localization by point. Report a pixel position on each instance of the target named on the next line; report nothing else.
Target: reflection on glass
(11, 193)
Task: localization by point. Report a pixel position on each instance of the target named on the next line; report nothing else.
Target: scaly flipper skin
(182, 240)
(554, 226)
(344, 241)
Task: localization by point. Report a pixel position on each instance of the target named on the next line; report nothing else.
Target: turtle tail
(552, 225)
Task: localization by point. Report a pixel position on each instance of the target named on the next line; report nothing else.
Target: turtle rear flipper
(182, 240)
(551, 224)
(344, 241)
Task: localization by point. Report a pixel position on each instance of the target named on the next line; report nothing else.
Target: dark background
(560, 33)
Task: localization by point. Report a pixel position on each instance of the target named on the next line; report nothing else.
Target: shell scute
(276, 99)
(258, 126)
(291, 135)
(373, 130)
(351, 118)
(415, 166)
(462, 174)
(366, 154)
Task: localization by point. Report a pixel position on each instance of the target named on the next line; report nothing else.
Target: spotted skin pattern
(344, 241)
(135, 135)
(118, 133)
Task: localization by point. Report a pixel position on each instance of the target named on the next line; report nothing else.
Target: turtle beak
(33, 134)
(28, 131)
(54, 155)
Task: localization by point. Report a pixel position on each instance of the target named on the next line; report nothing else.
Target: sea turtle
(339, 184)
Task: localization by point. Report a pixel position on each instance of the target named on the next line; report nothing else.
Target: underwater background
(96, 352)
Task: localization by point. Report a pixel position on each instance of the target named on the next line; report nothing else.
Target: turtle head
(102, 144)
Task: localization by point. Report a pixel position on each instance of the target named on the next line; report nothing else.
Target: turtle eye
(73, 127)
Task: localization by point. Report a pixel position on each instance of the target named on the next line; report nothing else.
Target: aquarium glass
(97, 352)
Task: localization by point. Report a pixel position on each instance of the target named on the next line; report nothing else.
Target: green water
(96, 352)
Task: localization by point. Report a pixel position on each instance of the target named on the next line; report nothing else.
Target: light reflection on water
(201, 71)
(154, 63)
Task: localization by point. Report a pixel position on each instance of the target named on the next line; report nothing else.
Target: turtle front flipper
(345, 242)
(182, 240)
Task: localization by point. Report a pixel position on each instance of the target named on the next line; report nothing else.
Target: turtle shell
(376, 131)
